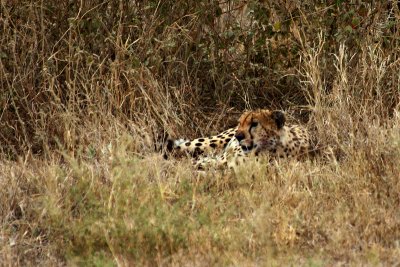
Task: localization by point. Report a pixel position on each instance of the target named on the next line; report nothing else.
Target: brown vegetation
(88, 88)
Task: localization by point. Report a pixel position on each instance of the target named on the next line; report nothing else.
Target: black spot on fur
(198, 144)
(227, 139)
(213, 145)
(170, 145)
(187, 144)
(200, 139)
(231, 135)
(200, 167)
(220, 136)
(213, 141)
(197, 151)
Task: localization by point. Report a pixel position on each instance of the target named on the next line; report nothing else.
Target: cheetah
(258, 132)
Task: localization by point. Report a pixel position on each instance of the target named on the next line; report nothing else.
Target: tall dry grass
(89, 89)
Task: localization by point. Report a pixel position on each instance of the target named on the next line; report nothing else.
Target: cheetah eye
(253, 124)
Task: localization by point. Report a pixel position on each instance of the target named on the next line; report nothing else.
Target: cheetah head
(260, 130)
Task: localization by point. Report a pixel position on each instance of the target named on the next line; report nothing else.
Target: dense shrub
(65, 62)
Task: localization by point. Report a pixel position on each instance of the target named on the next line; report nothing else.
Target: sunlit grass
(153, 211)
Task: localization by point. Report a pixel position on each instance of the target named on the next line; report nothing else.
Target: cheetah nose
(239, 136)
(247, 148)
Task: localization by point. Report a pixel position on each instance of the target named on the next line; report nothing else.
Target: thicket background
(77, 77)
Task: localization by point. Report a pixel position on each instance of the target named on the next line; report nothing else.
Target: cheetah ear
(279, 118)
